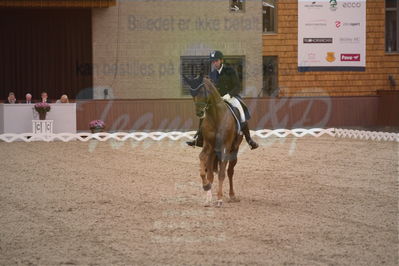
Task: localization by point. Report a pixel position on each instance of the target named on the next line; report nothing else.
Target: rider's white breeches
(236, 103)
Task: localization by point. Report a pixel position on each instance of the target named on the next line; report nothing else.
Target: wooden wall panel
(271, 113)
(379, 65)
(388, 108)
(314, 112)
(129, 115)
(57, 3)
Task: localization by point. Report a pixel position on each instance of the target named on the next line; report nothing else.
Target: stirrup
(253, 144)
(195, 142)
(191, 143)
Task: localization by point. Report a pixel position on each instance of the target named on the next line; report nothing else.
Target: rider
(226, 81)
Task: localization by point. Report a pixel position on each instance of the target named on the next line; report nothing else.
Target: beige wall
(149, 57)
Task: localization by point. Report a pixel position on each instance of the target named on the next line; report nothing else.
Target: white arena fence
(177, 135)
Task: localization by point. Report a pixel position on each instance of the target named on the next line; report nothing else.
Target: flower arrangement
(42, 107)
(96, 126)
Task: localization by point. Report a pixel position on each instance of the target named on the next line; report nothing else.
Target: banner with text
(331, 35)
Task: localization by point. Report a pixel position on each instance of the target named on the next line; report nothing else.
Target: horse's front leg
(210, 165)
(204, 157)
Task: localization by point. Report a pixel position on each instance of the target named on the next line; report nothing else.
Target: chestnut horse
(221, 137)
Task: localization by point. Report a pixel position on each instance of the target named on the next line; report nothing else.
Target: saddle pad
(236, 115)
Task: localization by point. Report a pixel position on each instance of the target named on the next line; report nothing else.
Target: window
(237, 5)
(237, 63)
(270, 80)
(192, 66)
(269, 16)
(391, 26)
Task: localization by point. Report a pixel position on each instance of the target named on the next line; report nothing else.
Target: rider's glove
(226, 97)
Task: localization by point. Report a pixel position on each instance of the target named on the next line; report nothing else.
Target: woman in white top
(63, 99)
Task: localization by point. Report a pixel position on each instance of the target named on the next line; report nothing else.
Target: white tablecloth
(17, 118)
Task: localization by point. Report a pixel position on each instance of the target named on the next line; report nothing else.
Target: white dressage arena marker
(177, 135)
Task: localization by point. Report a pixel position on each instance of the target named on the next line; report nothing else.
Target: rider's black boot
(245, 130)
(198, 138)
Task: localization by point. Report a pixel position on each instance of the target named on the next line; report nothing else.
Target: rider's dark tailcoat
(227, 82)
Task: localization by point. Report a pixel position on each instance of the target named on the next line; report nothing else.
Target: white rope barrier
(176, 135)
(119, 136)
(366, 135)
(298, 132)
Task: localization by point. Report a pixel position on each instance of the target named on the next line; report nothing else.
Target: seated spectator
(28, 98)
(45, 97)
(11, 98)
(63, 99)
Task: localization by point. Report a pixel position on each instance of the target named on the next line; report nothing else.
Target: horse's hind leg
(221, 176)
(230, 173)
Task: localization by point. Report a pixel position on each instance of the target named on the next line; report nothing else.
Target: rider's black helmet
(215, 55)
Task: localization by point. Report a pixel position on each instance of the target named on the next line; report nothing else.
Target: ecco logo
(352, 5)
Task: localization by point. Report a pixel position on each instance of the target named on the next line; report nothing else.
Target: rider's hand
(226, 97)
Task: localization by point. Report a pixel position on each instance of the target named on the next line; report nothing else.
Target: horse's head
(200, 94)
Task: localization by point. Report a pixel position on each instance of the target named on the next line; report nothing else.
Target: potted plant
(42, 109)
(96, 126)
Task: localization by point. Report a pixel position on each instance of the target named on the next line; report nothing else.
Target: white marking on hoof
(219, 203)
(208, 200)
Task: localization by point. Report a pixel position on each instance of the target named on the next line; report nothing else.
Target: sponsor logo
(351, 5)
(349, 40)
(314, 5)
(350, 57)
(330, 57)
(333, 5)
(320, 22)
(317, 40)
(311, 56)
(339, 24)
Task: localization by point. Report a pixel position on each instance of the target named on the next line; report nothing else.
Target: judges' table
(17, 118)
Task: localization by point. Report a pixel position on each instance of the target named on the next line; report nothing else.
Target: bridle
(203, 106)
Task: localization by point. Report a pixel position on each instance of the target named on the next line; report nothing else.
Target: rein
(207, 104)
(198, 87)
